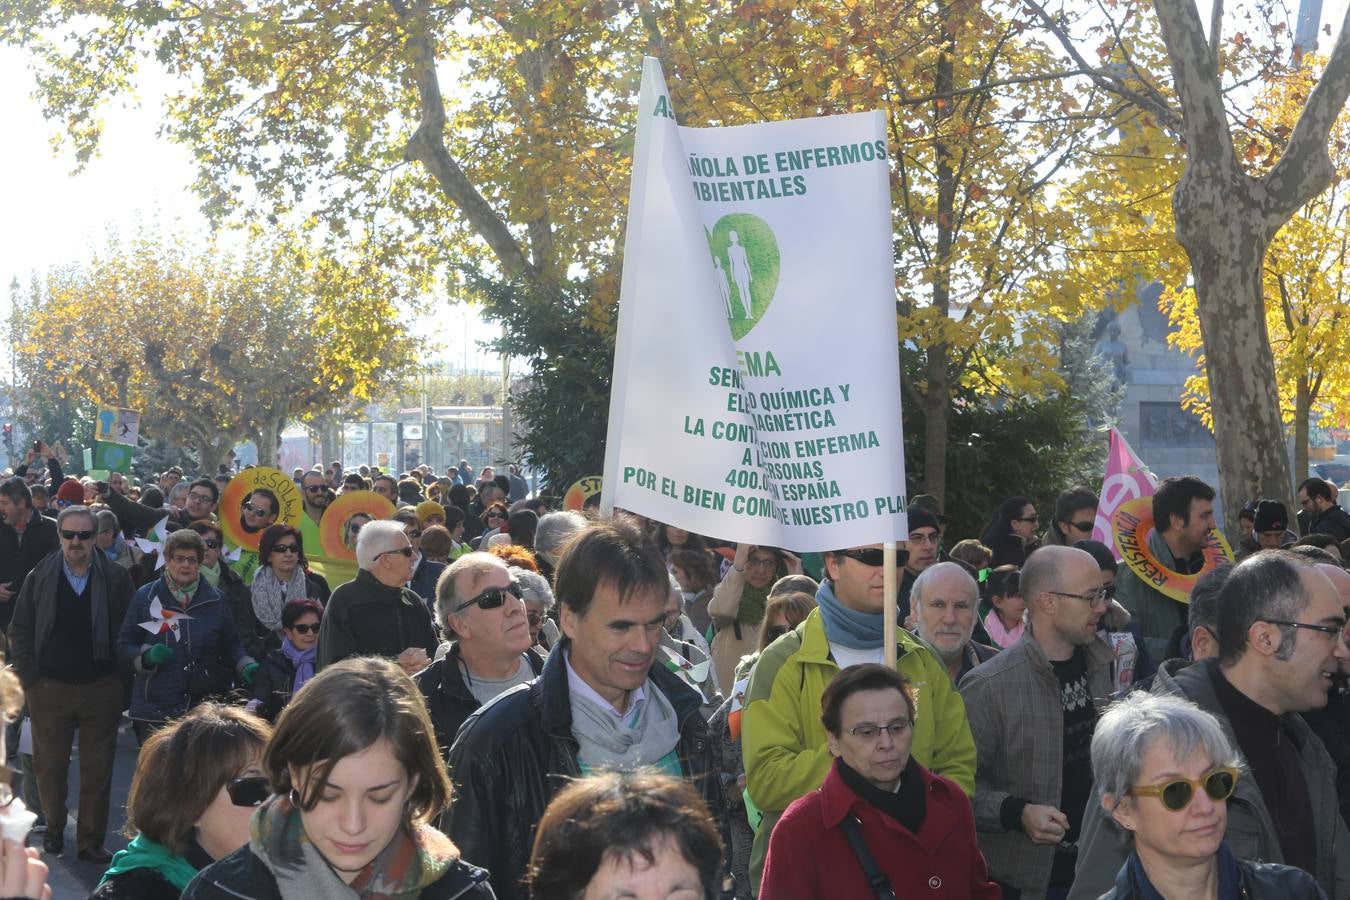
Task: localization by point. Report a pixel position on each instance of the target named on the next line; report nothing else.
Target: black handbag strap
(881, 885)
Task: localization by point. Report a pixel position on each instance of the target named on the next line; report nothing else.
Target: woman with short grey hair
(1166, 770)
(539, 602)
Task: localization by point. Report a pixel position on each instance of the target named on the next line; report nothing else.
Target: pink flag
(1126, 478)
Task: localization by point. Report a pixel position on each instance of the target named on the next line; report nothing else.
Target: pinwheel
(164, 620)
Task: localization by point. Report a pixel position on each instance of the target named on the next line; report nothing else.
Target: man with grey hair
(376, 614)
(552, 534)
(63, 642)
(478, 603)
(945, 599)
(1032, 710)
(1280, 627)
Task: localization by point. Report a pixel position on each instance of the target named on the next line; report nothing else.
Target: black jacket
(367, 618)
(272, 684)
(141, 518)
(18, 555)
(449, 700)
(257, 640)
(243, 876)
(136, 884)
(34, 610)
(424, 581)
(1260, 881)
(1332, 725)
(516, 752)
(1335, 522)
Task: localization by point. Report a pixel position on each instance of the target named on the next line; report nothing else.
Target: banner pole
(888, 610)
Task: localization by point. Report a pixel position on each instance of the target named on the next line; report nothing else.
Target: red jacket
(809, 856)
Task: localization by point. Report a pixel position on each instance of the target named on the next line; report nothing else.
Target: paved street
(71, 879)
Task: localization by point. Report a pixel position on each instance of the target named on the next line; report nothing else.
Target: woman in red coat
(917, 827)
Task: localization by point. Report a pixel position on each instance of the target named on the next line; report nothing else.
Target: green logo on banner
(745, 256)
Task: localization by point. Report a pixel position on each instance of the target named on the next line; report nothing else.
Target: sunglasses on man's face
(315, 489)
(492, 597)
(251, 790)
(76, 535)
(405, 551)
(255, 510)
(875, 556)
(1084, 527)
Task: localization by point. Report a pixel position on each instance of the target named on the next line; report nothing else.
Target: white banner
(756, 392)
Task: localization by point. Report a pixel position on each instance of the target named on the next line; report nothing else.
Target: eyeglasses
(212, 545)
(495, 516)
(406, 551)
(306, 628)
(255, 510)
(413, 533)
(285, 548)
(1084, 527)
(764, 562)
(76, 535)
(201, 498)
(874, 556)
(534, 618)
(1176, 795)
(316, 488)
(492, 597)
(1332, 630)
(184, 560)
(1091, 598)
(251, 790)
(869, 732)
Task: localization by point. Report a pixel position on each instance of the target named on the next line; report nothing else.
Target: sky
(52, 216)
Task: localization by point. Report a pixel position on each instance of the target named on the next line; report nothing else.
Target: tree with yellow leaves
(215, 348)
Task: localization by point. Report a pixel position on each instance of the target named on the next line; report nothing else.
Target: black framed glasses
(413, 533)
(492, 597)
(406, 551)
(285, 548)
(1176, 795)
(306, 628)
(251, 509)
(315, 488)
(250, 790)
(211, 544)
(201, 497)
(77, 535)
(1332, 630)
(1084, 527)
(1091, 598)
(874, 556)
(870, 732)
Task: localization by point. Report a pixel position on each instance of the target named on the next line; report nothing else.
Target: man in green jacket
(1183, 517)
(783, 740)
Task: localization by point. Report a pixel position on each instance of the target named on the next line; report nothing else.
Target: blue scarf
(303, 660)
(855, 630)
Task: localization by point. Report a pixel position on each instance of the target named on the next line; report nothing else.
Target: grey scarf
(608, 743)
(270, 594)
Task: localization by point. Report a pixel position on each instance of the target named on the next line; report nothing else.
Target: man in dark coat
(605, 700)
(25, 538)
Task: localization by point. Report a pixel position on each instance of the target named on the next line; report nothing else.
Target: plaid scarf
(410, 863)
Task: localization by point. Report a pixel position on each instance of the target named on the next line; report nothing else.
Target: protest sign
(756, 389)
(1126, 479)
(117, 426)
(289, 505)
(1132, 523)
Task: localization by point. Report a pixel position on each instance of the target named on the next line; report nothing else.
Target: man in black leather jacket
(605, 700)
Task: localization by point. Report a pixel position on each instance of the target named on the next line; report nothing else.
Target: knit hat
(428, 508)
(928, 503)
(1270, 516)
(72, 492)
(922, 518)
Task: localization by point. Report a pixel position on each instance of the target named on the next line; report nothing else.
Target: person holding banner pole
(785, 746)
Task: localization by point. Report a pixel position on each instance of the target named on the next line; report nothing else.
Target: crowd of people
(512, 701)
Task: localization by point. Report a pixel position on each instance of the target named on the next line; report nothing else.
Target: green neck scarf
(753, 599)
(212, 574)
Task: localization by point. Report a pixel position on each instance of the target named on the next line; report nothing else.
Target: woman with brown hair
(197, 782)
(357, 778)
(626, 835)
(283, 575)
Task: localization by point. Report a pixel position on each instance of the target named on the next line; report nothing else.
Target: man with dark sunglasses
(63, 645)
(784, 742)
(1281, 636)
(316, 494)
(376, 614)
(482, 608)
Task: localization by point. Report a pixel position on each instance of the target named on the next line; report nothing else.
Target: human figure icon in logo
(740, 271)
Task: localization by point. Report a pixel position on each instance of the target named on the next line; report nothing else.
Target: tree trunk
(1302, 409)
(938, 391)
(1226, 242)
(269, 432)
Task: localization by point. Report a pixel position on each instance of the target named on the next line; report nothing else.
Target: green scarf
(183, 596)
(412, 862)
(753, 600)
(143, 853)
(212, 574)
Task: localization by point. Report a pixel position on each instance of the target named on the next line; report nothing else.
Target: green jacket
(1156, 614)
